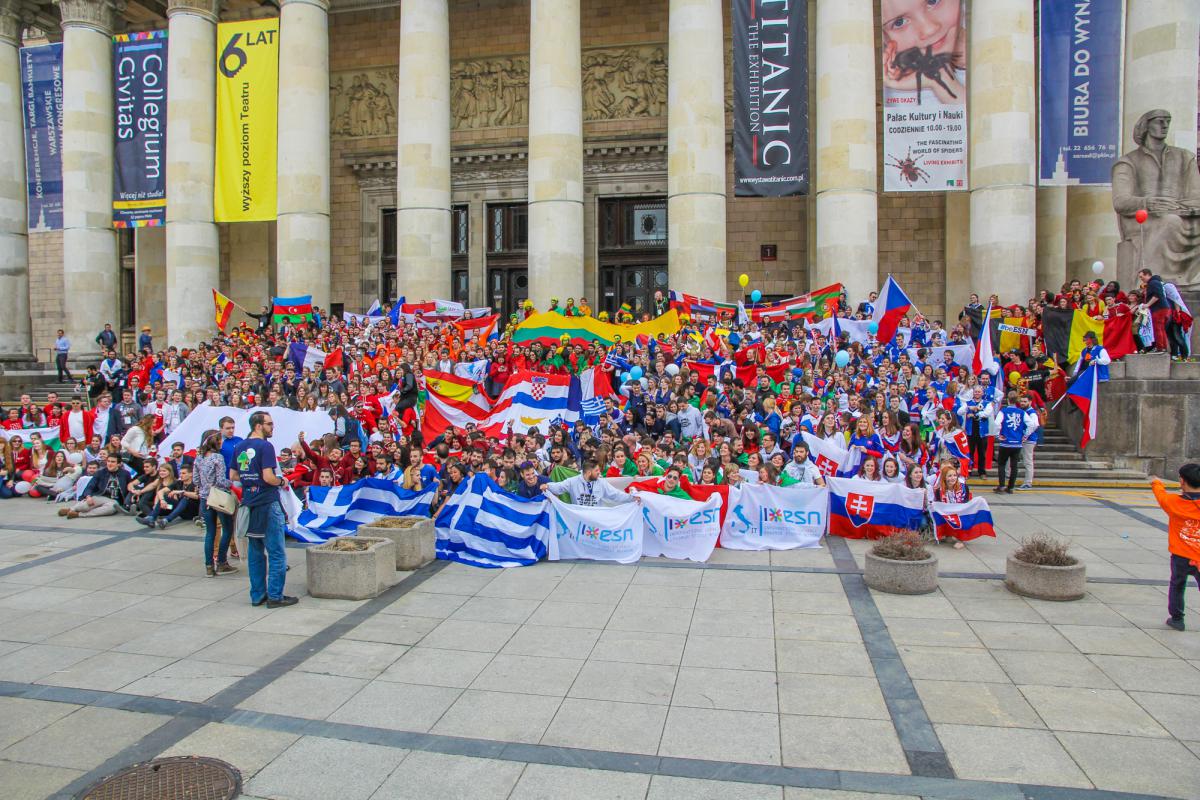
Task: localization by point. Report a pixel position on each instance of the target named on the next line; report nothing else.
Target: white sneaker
(1025, 487)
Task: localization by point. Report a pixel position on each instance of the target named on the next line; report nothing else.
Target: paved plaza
(754, 676)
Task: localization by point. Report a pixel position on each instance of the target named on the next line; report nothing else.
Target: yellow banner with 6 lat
(246, 174)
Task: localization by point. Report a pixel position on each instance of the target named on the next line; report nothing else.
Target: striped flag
(452, 402)
(224, 308)
(305, 356)
(49, 436)
(533, 400)
(485, 526)
(339, 510)
(481, 329)
(617, 362)
(292, 309)
(963, 521)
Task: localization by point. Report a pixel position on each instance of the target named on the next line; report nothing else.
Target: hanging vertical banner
(140, 152)
(1080, 115)
(42, 114)
(924, 66)
(770, 98)
(247, 120)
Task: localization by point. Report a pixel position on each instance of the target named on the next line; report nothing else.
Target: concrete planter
(351, 574)
(414, 544)
(1046, 583)
(901, 577)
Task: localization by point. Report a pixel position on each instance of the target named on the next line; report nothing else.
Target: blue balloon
(624, 377)
(755, 296)
(841, 359)
(734, 339)
(635, 373)
(873, 328)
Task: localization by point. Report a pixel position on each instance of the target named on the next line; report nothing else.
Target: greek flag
(485, 526)
(617, 362)
(339, 510)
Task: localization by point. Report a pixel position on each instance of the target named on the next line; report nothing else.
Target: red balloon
(1141, 216)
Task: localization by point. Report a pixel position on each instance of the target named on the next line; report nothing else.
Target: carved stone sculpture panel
(363, 102)
(625, 82)
(489, 93)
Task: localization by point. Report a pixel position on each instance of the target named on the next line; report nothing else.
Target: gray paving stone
(248, 749)
(643, 619)
(660, 596)
(1021, 636)
(507, 673)
(749, 737)
(397, 629)
(83, 739)
(1078, 613)
(603, 572)
(397, 706)
(453, 634)
(23, 717)
(811, 602)
(571, 615)
(1009, 755)
(99, 604)
(162, 608)
(1134, 673)
(34, 598)
(104, 633)
(927, 606)
(730, 652)
(854, 744)
(504, 716)
(805, 582)
(33, 781)
(423, 776)
(735, 579)
(730, 689)
(716, 622)
(624, 682)
(1127, 641)
(1179, 714)
(638, 647)
(657, 576)
(552, 642)
(354, 659)
(495, 609)
(107, 671)
(1163, 766)
(171, 640)
(1052, 669)
(756, 601)
(189, 680)
(931, 632)
(823, 658)
(426, 604)
(544, 782)
(665, 787)
(608, 726)
(299, 620)
(795, 793)
(303, 694)
(831, 696)
(250, 649)
(318, 769)
(995, 610)
(817, 627)
(976, 703)
(1091, 711)
(433, 667)
(518, 589)
(33, 628)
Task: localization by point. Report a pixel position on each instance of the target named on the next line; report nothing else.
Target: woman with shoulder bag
(212, 482)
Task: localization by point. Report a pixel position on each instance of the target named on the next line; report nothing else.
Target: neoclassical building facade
(490, 151)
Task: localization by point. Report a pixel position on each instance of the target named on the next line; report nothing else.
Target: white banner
(964, 354)
(288, 425)
(678, 528)
(763, 517)
(597, 533)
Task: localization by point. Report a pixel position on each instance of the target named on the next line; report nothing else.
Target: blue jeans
(266, 577)
(211, 516)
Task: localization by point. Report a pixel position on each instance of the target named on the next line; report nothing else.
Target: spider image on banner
(910, 169)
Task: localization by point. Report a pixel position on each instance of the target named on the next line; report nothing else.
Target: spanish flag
(224, 307)
(1063, 332)
(548, 328)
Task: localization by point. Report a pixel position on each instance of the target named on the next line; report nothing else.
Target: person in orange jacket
(1183, 536)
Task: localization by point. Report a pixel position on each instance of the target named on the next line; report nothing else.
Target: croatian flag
(1085, 396)
(485, 526)
(532, 400)
(339, 510)
(305, 357)
(985, 358)
(890, 309)
(963, 521)
(860, 509)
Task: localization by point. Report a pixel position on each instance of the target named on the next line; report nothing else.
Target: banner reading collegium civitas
(247, 121)
(924, 68)
(140, 151)
(770, 98)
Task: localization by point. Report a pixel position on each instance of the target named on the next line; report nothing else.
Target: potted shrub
(351, 567)
(1042, 568)
(901, 564)
(415, 539)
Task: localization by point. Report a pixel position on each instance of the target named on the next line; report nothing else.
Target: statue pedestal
(1191, 298)
(1127, 266)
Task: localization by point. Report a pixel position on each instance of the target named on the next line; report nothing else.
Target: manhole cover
(183, 778)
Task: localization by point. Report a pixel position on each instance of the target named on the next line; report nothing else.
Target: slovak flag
(860, 509)
(985, 357)
(890, 309)
(828, 455)
(1084, 395)
(963, 521)
(958, 445)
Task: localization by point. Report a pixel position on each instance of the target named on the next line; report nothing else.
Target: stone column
(958, 254)
(1091, 233)
(1160, 66)
(249, 265)
(555, 152)
(696, 148)
(303, 222)
(90, 267)
(847, 212)
(477, 253)
(14, 243)
(193, 243)
(1051, 237)
(423, 152)
(1003, 150)
(153, 289)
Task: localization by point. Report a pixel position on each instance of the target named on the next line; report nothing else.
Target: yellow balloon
(743, 280)
(1014, 377)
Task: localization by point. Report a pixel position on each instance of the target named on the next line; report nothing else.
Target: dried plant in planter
(395, 522)
(901, 546)
(1044, 550)
(348, 544)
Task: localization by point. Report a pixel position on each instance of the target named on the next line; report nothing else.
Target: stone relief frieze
(617, 82)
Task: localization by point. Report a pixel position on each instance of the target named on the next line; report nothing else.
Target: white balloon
(672, 369)
(1098, 267)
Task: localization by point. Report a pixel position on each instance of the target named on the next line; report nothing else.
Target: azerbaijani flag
(963, 521)
(890, 309)
(452, 402)
(1084, 395)
(549, 327)
(292, 309)
(224, 307)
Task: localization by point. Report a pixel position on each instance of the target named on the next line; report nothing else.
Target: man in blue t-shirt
(254, 467)
(1014, 425)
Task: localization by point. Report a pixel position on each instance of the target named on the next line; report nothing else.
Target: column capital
(99, 15)
(321, 4)
(11, 20)
(208, 9)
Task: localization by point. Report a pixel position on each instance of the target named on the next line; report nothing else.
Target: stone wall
(45, 290)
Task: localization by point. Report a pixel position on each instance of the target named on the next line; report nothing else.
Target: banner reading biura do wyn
(924, 66)
(770, 98)
(247, 120)
(140, 152)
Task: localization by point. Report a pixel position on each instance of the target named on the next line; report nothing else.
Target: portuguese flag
(814, 305)
(292, 309)
(548, 328)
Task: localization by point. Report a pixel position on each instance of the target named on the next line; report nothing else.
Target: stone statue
(1162, 180)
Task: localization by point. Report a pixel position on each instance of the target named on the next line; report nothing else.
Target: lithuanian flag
(1063, 330)
(224, 307)
(548, 328)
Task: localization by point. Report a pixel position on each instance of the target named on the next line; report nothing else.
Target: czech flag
(860, 509)
(292, 309)
(963, 521)
(890, 309)
(1084, 395)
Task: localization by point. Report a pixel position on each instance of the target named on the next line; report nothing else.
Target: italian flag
(49, 437)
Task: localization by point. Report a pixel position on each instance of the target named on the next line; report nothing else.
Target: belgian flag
(1063, 330)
